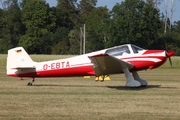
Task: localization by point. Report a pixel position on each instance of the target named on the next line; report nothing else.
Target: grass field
(76, 98)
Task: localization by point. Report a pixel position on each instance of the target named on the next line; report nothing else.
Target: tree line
(42, 29)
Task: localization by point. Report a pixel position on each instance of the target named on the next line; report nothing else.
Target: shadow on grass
(41, 85)
(111, 87)
(139, 88)
(60, 85)
(133, 88)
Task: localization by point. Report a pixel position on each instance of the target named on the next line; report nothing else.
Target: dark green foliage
(74, 42)
(11, 25)
(39, 20)
(62, 19)
(29, 43)
(133, 22)
(172, 38)
(45, 44)
(67, 9)
(94, 26)
(85, 7)
(60, 41)
(41, 29)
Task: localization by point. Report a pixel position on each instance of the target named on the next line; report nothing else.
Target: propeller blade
(165, 45)
(170, 61)
(169, 53)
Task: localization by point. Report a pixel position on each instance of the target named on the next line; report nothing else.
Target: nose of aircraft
(169, 53)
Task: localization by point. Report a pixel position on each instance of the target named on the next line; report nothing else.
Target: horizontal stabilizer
(23, 68)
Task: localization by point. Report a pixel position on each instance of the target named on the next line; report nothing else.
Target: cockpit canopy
(124, 50)
(136, 49)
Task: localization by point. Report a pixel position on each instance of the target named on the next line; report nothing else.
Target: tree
(167, 37)
(95, 32)
(39, 20)
(2, 42)
(62, 19)
(60, 41)
(173, 40)
(133, 22)
(74, 41)
(11, 25)
(1, 22)
(85, 7)
(68, 7)
(154, 3)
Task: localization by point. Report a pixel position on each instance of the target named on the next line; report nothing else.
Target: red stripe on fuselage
(139, 57)
(153, 51)
(66, 72)
(145, 64)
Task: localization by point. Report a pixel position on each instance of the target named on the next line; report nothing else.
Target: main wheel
(29, 84)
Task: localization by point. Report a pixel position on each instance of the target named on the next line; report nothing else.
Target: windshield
(136, 49)
(119, 50)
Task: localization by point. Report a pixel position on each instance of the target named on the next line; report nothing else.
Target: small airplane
(127, 59)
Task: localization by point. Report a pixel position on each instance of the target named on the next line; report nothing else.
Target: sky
(110, 4)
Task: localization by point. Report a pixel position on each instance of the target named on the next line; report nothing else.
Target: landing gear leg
(103, 76)
(130, 82)
(136, 77)
(99, 78)
(30, 83)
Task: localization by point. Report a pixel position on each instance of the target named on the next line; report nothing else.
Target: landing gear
(130, 82)
(101, 78)
(30, 83)
(144, 83)
(133, 82)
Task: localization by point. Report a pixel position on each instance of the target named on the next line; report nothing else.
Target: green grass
(77, 98)
(175, 63)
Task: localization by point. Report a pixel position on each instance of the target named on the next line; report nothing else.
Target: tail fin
(18, 58)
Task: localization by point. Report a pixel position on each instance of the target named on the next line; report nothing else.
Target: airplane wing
(105, 64)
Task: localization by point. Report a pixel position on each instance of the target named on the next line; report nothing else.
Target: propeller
(169, 53)
(170, 61)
